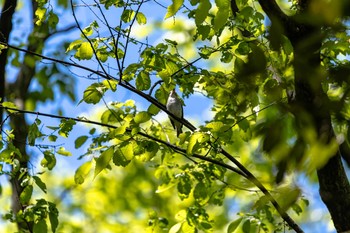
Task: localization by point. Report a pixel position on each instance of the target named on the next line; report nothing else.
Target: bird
(174, 105)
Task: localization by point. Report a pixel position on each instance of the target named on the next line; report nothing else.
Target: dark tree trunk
(311, 105)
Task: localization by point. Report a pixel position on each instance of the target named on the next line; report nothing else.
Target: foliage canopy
(276, 77)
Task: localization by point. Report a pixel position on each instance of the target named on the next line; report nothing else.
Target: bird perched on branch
(174, 105)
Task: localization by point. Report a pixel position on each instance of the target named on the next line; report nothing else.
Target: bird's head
(173, 93)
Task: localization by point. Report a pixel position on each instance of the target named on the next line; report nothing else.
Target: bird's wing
(172, 122)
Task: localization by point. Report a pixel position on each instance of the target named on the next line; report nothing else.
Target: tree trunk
(310, 98)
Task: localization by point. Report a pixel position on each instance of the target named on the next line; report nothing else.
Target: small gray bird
(174, 105)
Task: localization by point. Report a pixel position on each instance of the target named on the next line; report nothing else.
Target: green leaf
(127, 15)
(110, 84)
(94, 93)
(84, 52)
(40, 183)
(200, 193)
(49, 160)
(234, 225)
(215, 126)
(222, 15)
(142, 117)
(53, 19)
(184, 186)
(10, 105)
(202, 11)
(80, 141)
(143, 81)
(74, 45)
(26, 194)
(53, 216)
(82, 172)
(246, 226)
(40, 226)
(52, 138)
(176, 228)
(66, 126)
(33, 133)
(119, 158)
(141, 18)
(40, 14)
(174, 8)
(103, 160)
(153, 110)
(196, 139)
(64, 152)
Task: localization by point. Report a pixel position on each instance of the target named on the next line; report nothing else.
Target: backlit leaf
(103, 160)
(142, 117)
(84, 52)
(174, 8)
(202, 11)
(82, 172)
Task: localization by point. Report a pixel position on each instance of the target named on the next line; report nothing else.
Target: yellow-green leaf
(84, 52)
(202, 11)
(94, 93)
(222, 14)
(103, 160)
(40, 14)
(142, 117)
(63, 151)
(26, 194)
(174, 8)
(141, 18)
(80, 141)
(195, 141)
(82, 172)
(11, 105)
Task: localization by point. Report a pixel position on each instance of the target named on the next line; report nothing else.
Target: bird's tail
(178, 131)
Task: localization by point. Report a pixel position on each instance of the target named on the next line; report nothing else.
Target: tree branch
(241, 171)
(273, 11)
(152, 100)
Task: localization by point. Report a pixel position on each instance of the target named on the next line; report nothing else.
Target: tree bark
(17, 92)
(7, 12)
(311, 106)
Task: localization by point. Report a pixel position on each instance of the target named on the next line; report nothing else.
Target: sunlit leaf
(202, 11)
(49, 160)
(222, 14)
(26, 194)
(40, 14)
(196, 141)
(53, 216)
(80, 141)
(84, 52)
(66, 127)
(40, 183)
(94, 93)
(103, 160)
(141, 18)
(143, 81)
(9, 105)
(176, 228)
(119, 158)
(142, 117)
(234, 225)
(64, 152)
(40, 227)
(174, 8)
(82, 172)
(127, 15)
